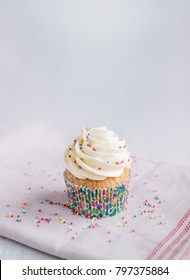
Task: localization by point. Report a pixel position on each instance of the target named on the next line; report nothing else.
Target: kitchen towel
(33, 208)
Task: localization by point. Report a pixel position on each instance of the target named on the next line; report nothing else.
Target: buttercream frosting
(97, 153)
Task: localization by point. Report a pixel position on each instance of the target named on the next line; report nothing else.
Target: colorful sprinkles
(82, 201)
(88, 145)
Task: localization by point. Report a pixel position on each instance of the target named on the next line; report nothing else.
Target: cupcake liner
(97, 203)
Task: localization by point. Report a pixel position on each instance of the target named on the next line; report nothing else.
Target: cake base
(100, 184)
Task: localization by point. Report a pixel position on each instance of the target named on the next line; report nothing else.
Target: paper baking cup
(97, 203)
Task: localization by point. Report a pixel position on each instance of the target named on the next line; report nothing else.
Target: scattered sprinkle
(152, 217)
(62, 220)
(10, 215)
(53, 202)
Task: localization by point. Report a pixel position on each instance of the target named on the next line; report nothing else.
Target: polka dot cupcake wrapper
(97, 203)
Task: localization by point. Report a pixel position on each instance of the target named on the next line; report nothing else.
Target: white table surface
(120, 64)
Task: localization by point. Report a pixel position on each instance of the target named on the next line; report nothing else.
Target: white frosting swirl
(97, 153)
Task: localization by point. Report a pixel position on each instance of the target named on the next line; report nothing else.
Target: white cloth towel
(32, 197)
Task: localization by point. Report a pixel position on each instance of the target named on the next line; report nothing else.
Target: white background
(121, 64)
(177, 269)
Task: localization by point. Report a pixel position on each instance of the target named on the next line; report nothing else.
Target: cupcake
(97, 173)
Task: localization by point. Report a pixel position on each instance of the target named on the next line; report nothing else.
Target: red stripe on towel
(170, 235)
(174, 242)
(179, 248)
(186, 255)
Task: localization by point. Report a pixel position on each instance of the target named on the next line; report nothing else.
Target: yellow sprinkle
(62, 220)
(152, 217)
(122, 225)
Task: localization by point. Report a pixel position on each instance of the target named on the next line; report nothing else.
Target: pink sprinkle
(145, 183)
(10, 215)
(123, 218)
(94, 149)
(71, 223)
(39, 210)
(133, 230)
(108, 232)
(109, 241)
(48, 219)
(26, 203)
(72, 238)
